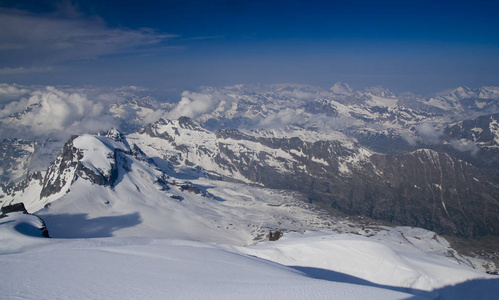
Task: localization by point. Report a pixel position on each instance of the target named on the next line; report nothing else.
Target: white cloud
(51, 38)
(341, 88)
(193, 105)
(51, 112)
(300, 95)
(38, 112)
(9, 92)
(411, 140)
(465, 146)
(282, 119)
(430, 133)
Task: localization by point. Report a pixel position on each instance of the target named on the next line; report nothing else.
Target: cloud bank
(51, 112)
(9, 92)
(194, 105)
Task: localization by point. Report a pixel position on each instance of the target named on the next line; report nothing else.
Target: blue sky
(414, 45)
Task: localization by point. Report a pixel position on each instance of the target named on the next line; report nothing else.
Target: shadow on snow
(479, 289)
(472, 289)
(80, 226)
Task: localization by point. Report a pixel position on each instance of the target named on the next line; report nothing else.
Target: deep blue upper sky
(414, 45)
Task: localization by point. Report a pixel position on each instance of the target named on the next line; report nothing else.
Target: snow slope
(147, 268)
(141, 268)
(379, 261)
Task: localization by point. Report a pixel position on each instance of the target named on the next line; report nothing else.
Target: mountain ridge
(349, 156)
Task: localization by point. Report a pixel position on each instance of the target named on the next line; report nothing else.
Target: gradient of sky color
(415, 45)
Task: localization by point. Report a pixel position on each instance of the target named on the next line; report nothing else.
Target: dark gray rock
(423, 188)
(17, 207)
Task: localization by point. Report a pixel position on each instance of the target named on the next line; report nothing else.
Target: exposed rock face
(432, 190)
(12, 188)
(14, 154)
(423, 188)
(68, 167)
(477, 141)
(481, 130)
(322, 106)
(62, 172)
(18, 208)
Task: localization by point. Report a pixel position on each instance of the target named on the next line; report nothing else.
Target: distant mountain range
(429, 162)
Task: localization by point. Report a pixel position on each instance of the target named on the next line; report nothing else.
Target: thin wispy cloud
(465, 146)
(198, 38)
(34, 38)
(431, 134)
(23, 70)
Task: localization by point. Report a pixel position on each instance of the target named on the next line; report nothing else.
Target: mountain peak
(489, 92)
(459, 93)
(114, 135)
(380, 92)
(341, 88)
(188, 123)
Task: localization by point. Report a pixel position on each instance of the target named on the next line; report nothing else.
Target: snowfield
(143, 268)
(314, 265)
(374, 262)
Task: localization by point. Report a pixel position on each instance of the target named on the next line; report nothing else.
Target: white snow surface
(144, 268)
(385, 259)
(381, 101)
(309, 266)
(97, 152)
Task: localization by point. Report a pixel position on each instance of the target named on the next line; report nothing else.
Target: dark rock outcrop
(17, 207)
(25, 228)
(14, 153)
(68, 167)
(62, 170)
(423, 188)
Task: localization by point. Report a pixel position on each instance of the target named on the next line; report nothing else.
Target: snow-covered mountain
(341, 148)
(14, 156)
(228, 165)
(332, 171)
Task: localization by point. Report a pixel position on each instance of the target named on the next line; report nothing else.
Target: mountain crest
(92, 158)
(341, 88)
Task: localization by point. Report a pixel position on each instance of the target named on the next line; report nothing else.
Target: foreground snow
(145, 268)
(148, 268)
(387, 263)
